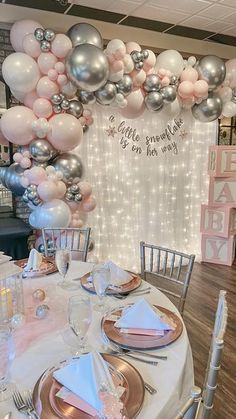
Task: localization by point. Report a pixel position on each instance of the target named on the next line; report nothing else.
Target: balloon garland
(57, 77)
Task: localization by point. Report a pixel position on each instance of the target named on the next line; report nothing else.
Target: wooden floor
(206, 282)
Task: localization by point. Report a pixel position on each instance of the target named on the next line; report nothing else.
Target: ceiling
(209, 20)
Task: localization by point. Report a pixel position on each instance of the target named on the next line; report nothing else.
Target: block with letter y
(218, 249)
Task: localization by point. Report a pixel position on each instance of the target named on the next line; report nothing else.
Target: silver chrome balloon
(173, 80)
(136, 56)
(65, 104)
(145, 54)
(42, 311)
(76, 108)
(56, 99)
(87, 67)
(87, 98)
(106, 94)
(69, 196)
(45, 45)
(12, 179)
(209, 109)
(56, 108)
(84, 33)
(125, 85)
(139, 66)
(41, 150)
(78, 197)
(39, 34)
(211, 69)
(3, 171)
(70, 165)
(49, 35)
(152, 83)
(168, 93)
(154, 101)
(74, 189)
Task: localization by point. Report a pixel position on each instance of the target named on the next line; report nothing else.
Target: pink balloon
(31, 46)
(132, 46)
(200, 88)
(16, 125)
(69, 90)
(85, 189)
(25, 163)
(231, 72)
(20, 72)
(19, 30)
(17, 157)
(117, 66)
(46, 61)
(52, 74)
(36, 175)
(47, 190)
(62, 80)
(88, 204)
(46, 87)
(138, 77)
(76, 223)
(165, 81)
(150, 61)
(128, 64)
(61, 189)
(73, 205)
(30, 98)
(135, 105)
(60, 67)
(66, 132)
(61, 45)
(185, 89)
(24, 181)
(189, 74)
(42, 108)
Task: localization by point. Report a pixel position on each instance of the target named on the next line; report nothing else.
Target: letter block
(218, 249)
(222, 191)
(219, 221)
(222, 161)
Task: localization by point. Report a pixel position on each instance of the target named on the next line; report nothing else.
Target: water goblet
(6, 351)
(63, 261)
(101, 276)
(80, 317)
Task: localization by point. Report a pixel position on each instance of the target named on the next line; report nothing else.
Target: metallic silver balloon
(125, 85)
(56, 99)
(45, 45)
(209, 109)
(39, 34)
(12, 179)
(49, 35)
(69, 196)
(87, 67)
(87, 98)
(106, 94)
(168, 93)
(76, 108)
(3, 171)
(65, 104)
(211, 69)
(78, 197)
(145, 54)
(70, 165)
(152, 83)
(84, 33)
(41, 150)
(42, 311)
(56, 108)
(136, 56)
(74, 189)
(154, 101)
(173, 80)
(139, 65)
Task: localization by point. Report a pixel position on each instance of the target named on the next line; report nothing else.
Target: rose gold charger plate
(53, 407)
(133, 284)
(47, 267)
(131, 341)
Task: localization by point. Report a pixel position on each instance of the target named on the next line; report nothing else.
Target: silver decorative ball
(56, 99)
(86, 97)
(45, 46)
(17, 320)
(136, 56)
(145, 54)
(42, 311)
(39, 34)
(74, 189)
(173, 80)
(76, 108)
(69, 196)
(49, 35)
(139, 65)
(39, 294)
(56, 108)
(78, 197)
(65, 104)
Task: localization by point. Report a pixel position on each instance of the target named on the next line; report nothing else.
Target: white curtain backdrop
(153, 198)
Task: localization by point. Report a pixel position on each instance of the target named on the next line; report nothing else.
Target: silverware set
(138, 292)
(25, 404)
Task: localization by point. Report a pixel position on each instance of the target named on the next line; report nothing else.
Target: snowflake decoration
(183, 134)
(111, 131)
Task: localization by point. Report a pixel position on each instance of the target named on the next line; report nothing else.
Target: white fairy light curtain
(149, 177)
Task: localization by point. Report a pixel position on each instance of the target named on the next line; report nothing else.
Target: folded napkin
(34, 261)
(142, 315)
(118, 275)
(86, 377)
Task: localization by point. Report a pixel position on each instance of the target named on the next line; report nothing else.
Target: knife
(7, 416)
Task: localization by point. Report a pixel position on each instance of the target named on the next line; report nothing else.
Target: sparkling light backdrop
(157, 198)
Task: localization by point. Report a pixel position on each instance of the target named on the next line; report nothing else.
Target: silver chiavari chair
(197, 406)
(76, 239)
(171, 268)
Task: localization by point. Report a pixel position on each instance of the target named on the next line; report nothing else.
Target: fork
(21, 404)
(29, 403)
(137, 294)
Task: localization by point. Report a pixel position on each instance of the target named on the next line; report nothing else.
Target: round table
(41, 343)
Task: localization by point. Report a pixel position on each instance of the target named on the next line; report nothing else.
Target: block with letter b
(219, 221)
(222, 161)
(222, 191)
(218, 249)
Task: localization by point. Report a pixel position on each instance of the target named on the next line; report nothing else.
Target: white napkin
(34, 261)
(85, 377)
(142, 316)
(118, 275)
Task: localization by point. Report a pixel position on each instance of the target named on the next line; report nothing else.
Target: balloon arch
(57, 77)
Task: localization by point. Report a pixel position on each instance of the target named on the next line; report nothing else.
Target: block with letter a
(218, 249)
(222, 161)
(222, 191)
(219, 221)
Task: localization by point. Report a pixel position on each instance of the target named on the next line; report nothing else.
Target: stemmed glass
(80, 317)
(63, 261)
(6, 349)
(101, 276)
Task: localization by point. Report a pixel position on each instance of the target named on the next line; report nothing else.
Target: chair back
(172, 268)
(75, 239)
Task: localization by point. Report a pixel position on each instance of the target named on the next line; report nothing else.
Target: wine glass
(80, 317)
(63, 261)
(6, 349)
(101, 276)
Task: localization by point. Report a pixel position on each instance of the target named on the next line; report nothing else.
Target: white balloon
(114, 45)
(170, 60)
(229, 109)
(54, 214)
(20, 72)
(116, 76)
(225, 93)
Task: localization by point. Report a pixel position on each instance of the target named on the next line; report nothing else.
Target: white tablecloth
(173, 378)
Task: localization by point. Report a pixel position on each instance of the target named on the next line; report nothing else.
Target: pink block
(219, 221)
(218, 250)
(222, 161)
(222, 191)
